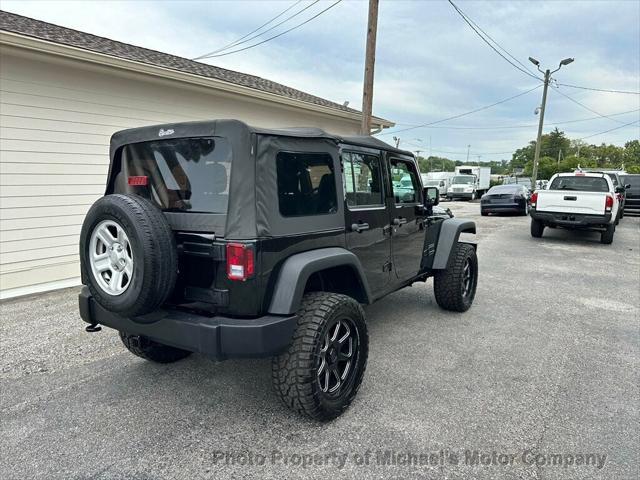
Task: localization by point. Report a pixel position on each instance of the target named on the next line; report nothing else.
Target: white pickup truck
(576, 200)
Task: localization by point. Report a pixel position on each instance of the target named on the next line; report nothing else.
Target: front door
(407, 219)
(367, 217)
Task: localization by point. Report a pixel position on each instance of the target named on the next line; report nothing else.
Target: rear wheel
(146, 348)
(455, 287)
(484, 213)
(537, 227)
(606, 237)
(320, 373)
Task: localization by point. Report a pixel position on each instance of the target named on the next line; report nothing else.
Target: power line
(610, 130)
(556, 89)
(504, 127)
(278, 35)
(473, 27)
(463, 114)
(240, 41)
(598, 89)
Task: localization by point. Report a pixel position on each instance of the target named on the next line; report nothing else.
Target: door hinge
(387, 266)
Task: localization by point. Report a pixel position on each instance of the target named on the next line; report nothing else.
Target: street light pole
(536, 158)
(547, 78)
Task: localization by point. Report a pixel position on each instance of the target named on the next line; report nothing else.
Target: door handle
(571, 198)
(360, 227)
(398, 221)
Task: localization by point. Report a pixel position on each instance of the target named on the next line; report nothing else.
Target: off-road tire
(146, 348)
(294, 372)
(537, 227)
(448, 284)
(606, 237)
(483, 213)
(154, 253)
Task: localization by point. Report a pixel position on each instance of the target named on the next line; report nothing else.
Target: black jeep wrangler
(232, 241)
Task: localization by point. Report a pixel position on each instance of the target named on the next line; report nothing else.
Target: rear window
(583, 184)
(183, 174)
(500, 189)
(306, 184)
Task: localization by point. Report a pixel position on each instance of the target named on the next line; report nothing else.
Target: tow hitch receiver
(94, 327)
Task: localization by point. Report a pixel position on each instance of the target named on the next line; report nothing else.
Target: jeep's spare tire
(128, 255)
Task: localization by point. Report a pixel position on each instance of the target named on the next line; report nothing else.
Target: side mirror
(627, 186)
(431, 196)
(620, 189)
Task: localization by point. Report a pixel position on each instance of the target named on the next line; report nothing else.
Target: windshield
(182, 174)
(583, 184)
(463, 179)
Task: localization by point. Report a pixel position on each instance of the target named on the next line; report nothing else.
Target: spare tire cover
(128, 255)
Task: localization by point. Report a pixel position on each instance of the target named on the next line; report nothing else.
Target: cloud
(429, 63)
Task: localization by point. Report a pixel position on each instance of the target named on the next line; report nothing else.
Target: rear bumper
(571, 220)
(501, 207)
(216, 337)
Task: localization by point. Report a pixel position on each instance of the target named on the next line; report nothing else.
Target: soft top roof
(213, 127)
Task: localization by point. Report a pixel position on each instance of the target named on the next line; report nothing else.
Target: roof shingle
(14, 23)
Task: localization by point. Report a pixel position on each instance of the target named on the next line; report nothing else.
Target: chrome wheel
(467, 278)
(337, 356)
(111, 257)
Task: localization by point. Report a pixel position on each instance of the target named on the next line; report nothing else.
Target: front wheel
(473, 196)
(320, 373)
(455, 287)
(525, 211)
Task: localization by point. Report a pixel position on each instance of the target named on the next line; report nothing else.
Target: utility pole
(397, 140)
(369, 63)
(536, 158)
(547, 77)
(468, 148)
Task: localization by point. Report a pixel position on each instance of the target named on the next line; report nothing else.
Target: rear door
(368, 232)
(407, 219)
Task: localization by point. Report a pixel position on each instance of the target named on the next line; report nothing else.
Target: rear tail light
(534, 199)
(240, 261)
(608, 203)
(138, 181)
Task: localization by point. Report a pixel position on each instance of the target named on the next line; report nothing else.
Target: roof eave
(76, 53)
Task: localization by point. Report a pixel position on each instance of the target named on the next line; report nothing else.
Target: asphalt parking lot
(539, 379)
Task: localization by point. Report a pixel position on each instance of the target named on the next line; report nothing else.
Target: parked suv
(232, 241)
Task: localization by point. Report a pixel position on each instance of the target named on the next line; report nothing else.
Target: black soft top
(250, 207)
(216, 127)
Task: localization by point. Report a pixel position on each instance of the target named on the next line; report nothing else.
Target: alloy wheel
(338, 356)
(111, 257)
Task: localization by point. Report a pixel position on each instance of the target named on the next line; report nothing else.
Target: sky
(430, 65)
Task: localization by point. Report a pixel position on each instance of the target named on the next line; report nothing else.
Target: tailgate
(571, 201)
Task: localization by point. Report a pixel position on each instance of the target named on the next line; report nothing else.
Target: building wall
(56, 117)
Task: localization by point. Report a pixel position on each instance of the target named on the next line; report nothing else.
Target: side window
(405, 182)
(306, 184)
(362, 180)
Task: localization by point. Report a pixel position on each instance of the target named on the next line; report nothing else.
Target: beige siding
(56, 117)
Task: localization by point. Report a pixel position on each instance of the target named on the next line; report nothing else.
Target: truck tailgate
(571, 201)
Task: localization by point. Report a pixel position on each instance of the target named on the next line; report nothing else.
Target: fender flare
(296, 270)
(449, 234)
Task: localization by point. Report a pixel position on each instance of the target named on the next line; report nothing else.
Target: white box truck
(441, 180)
(469, 182)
